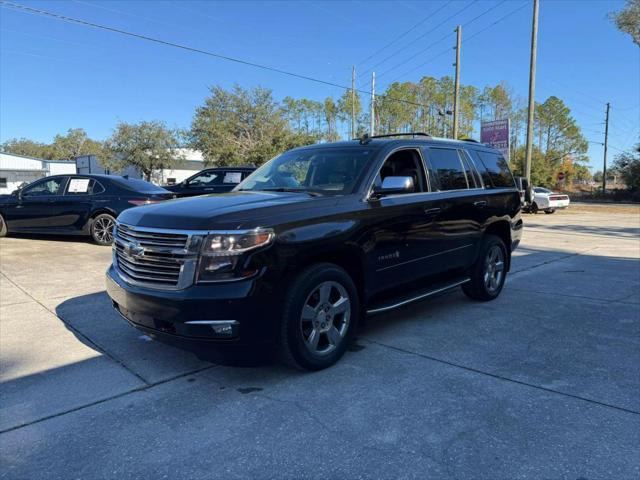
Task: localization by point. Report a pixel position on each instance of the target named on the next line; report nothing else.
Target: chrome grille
(157, 258)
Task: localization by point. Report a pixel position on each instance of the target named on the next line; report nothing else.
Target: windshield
(318, 170)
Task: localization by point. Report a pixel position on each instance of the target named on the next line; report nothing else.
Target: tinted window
(473, 177)
(449, 169)
(139, 186)
(497, 170)
(541, 190)
(46, 187)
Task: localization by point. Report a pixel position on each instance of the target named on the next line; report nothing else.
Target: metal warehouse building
(16, 170)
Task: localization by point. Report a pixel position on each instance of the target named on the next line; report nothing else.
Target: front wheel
(102, 229)
(533, 208)
(3, 227)
(489, 272)
(319, 318)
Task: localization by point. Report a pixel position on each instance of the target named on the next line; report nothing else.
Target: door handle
(480, 204)
(432, 211)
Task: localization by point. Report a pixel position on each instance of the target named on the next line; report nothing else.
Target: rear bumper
(558, 204)
(200, 317)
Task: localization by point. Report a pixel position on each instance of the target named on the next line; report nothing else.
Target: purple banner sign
(496, 135)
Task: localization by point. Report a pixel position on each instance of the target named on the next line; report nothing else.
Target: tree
(330, 110)
(28, 148)
(74, 144)
(240, 127)
(627, 165)
(148, 146)
(628, 20)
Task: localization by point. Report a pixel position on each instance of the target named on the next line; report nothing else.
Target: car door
(35, 208)
(458, 207)
(399, 239)
(74, 207)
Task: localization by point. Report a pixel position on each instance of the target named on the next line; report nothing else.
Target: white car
(548, 201)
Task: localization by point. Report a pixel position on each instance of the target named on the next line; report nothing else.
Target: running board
(414, 297)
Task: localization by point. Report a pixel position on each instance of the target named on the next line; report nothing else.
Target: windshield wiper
(291, 190)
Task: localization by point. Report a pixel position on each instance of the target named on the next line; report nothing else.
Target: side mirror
(394, 185)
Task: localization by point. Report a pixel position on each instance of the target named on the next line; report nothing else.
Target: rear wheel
(102, 229)
(489, 272)
(319, 318)
(549, 210)
(3, 227)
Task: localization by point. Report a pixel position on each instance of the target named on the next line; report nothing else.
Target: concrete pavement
(541, 383)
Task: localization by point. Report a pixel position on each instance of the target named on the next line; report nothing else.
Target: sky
(55, 75)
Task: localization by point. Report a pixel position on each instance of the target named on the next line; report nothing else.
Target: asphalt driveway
(542, 383)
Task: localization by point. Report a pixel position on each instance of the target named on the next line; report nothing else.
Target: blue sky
(55, 75)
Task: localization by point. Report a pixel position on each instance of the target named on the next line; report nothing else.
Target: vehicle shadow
(52, 238)
(94, 322)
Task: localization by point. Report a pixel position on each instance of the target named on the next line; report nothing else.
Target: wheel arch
(346, 258)
(502, 229)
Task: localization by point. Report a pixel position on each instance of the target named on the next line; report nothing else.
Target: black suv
(314, 240)
(211, 180)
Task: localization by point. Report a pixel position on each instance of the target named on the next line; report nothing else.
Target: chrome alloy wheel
(494, 269)
(324, 321)
(103, 229)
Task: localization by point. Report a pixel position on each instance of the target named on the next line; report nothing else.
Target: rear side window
(83, 186)
(448, 168)
(138, 186)
(497, 170)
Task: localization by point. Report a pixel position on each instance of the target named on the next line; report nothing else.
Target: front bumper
(192, 318)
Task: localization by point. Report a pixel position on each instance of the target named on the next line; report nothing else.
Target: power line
(466, 24)
(404, 34)
(57, 16)
(504, 17)
(418, 38)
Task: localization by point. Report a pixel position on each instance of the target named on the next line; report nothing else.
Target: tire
(482, 287)
(533, 208)
(317, 325)
(102, 229)
(3, 227)
(549, 211)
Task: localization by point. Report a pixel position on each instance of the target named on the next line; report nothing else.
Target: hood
(221, 211)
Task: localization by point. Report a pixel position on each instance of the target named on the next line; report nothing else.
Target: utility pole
(532, 90)
(456, 95)
(373, 103)
(353, 102)
(606, 140)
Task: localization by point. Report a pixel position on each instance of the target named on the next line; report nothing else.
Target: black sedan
(75, 205)
(211, 180)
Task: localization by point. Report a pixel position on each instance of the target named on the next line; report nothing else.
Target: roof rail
(366, 138)
(469, 140)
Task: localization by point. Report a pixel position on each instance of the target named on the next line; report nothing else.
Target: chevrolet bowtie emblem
(133, 250)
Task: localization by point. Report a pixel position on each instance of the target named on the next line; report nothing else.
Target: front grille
(154, 257)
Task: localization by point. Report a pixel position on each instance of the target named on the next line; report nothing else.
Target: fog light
(223, 330)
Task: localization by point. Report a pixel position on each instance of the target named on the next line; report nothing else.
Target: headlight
(221, 254)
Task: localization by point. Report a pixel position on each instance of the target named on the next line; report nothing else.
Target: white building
(16, 170)
(193, 162)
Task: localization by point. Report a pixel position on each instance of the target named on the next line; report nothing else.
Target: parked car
(548, 201)
(75, 205)
(211, 180)
(313, 240)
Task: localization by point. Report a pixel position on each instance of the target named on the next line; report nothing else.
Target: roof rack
(366, 138)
